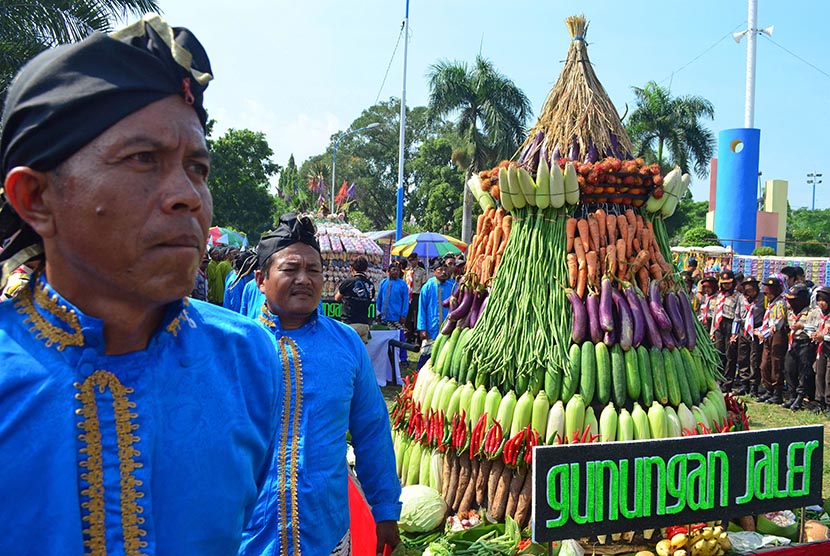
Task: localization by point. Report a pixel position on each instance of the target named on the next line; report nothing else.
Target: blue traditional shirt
(159, 451)
(431, 311)
(330, 389)
(392, 302)
(252, 300)
(233, 295)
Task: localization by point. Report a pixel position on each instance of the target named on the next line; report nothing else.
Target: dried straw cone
(578, 105)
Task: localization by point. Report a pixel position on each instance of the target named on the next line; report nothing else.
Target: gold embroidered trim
(131, 510)
(176, 324)
(286, 344)
(264, 319)
(42, 328)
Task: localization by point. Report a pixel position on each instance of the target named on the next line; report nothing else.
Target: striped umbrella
(425, 244)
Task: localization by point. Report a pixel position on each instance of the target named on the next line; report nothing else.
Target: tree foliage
(699, 237)
(241, 169)
(491, 114)
(808, 232)
(31, 26)
(668, 130)
(689, 214)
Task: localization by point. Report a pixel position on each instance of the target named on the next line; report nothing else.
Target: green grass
(767, 416)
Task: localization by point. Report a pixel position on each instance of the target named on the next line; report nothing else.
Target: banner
(589, 489)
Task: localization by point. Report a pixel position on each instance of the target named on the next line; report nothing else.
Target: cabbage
(423, 509)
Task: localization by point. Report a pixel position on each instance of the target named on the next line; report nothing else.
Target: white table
(377, 348)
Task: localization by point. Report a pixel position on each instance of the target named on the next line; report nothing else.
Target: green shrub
(814, 249)
(699, 237)
(763, 251)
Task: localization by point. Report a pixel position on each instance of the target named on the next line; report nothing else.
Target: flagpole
(399, 210)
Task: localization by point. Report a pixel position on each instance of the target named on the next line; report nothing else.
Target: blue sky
(302, 71)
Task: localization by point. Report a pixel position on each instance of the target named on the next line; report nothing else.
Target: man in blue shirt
(244, 266)
(132, 420)
(330, 389)
(431, 310)
(393, 302)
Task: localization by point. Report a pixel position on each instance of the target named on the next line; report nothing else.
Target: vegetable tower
(570, 325)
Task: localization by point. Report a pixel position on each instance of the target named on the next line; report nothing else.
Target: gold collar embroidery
(42, 328)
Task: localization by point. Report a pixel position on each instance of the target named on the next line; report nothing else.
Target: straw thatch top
(578, 110)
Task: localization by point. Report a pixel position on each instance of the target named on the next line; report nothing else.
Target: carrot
(580, 252)
(645, 238)
(481, 481)
(603, 253)
(622, 266)
(629, 239)
(524, 505)
(513, 492)
(582, 282)
(570, 233)
(507, 224)
(499, 504)
(480, 222)
(611, 222)
(656, 271)
(495, 239)
(640, 225)
(593, 228)
(635, 244)
(496, 262)
(573, 270)
(642, 278)
(593, 266)
(496, 470)
(640, 260)
(622, 228)
(603, 227)
(502, 247)
(584, 233)
(629, 216)
(611, 265)
(499, 216)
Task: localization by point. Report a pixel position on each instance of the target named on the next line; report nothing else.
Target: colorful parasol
(424, 244)
(226, 237)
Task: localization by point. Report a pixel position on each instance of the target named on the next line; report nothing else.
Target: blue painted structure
(736, 202)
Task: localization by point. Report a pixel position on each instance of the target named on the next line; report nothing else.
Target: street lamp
(813, 179)
(334, 156)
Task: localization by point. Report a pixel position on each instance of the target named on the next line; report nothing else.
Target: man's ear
(259, 278)
(25, 190)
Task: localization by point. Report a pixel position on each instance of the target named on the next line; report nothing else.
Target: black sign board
(332, 308)
(588, 489)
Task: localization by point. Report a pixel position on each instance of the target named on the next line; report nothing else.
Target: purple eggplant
(637, 316)
(615, 146)
(688, 319)
(678, 326)
(574, 152)
(668, 339)
(652, 330)
(544, 152)
(464, 305)
(580, 321)
(655, 304)
(475, 310)
(592, 155)
(592, 306)
(609, 338)
(606, 305)
(448, 327)
(447, 302)
(556, 154)
(626, 320)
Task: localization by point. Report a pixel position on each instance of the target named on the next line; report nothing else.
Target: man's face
(750, 292)
(294, 283)
(707, 288)
(132, 209)
(823, 305)
(394, 272)
(450, 264)
(441, 273)
(413, 262)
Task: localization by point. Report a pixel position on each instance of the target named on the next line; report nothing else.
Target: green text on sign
(588, 489)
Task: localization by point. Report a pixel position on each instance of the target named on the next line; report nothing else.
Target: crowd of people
(773, 336)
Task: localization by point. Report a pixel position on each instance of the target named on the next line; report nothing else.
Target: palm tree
(28, 27)
(662, 123)
(492, 115)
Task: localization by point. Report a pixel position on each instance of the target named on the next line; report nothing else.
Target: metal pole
(401, 140)
(334, 171)
(752, 36)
